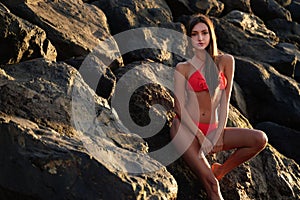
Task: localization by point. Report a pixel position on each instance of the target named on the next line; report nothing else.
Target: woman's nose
(200, 37)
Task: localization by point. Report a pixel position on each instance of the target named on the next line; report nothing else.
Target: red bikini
(197, 83)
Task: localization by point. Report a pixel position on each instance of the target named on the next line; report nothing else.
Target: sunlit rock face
(46, 140)
(21, 40)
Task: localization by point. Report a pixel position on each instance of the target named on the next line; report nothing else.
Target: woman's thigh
(187, 145)
(182, 138)
(242, 137)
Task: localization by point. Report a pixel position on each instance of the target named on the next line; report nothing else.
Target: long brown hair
(211, 72)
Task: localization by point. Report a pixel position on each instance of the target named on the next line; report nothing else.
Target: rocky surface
(84, 115)
(46, 155)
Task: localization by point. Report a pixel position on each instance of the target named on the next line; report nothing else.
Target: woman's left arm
(228, 66)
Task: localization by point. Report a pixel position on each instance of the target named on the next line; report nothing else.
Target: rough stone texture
(38, 138)
(294, 10)
(241, 5)
(189, 7)
(73, 27)
(243, 44)
(284, 139)
(48, 140)
(134, 14)
(252, 25)
(285, 30)
(268, 92)
(127, 14)
(21, 40)
(269, 9)
(284, 3)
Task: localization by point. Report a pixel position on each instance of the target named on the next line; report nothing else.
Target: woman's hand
(218, 146)
(205, 143)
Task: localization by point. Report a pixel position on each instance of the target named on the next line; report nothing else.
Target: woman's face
(200, 36)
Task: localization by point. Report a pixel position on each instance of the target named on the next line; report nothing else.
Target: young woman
(202, 86)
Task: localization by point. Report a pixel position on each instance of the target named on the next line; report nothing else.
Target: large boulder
(234, 40)
(73, 27)
(284, 139)
(266, 92)
(189, 7)
(21, 40)
(240, 5)
(127, 18)
(269, 9)
(59, 140)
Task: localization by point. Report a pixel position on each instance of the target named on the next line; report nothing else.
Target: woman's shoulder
(225, 61)
(225, 58)
(182, 67)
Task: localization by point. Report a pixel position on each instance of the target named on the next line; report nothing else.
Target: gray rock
(21, 40)
(69, 140)
(269, 9)
(73, 27)
(284, 139)
(294, 10)
(241, 5)
(235, 41)
(269, 96)
(188, 7)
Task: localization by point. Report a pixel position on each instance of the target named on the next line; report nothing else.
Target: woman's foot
(217, 171)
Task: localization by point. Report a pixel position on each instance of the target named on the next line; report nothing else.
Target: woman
(202, 87)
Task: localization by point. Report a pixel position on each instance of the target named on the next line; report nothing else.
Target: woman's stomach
(200, 110)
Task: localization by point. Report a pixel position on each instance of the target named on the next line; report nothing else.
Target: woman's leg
(187, 143)
(248, 142)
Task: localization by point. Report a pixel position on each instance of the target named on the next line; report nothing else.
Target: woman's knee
(261, 139)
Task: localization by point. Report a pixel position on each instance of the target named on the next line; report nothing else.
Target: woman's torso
(199, 103)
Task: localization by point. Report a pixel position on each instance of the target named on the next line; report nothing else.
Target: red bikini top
(197, 83)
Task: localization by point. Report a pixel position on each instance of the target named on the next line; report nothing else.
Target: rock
(128, 14)
(73, 144)
(73, 27)
(235, 41)
(21, 40)
(292, 49)
(285, 30)
(134, 14)
(269, 9)
(269, 90)
(143, 100)
(252, 25)
(282, 138)
(294, 10)
(240, 5)
(186, 7)
(284, 3)
(238, 99)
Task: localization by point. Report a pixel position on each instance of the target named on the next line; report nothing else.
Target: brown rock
(21, 40)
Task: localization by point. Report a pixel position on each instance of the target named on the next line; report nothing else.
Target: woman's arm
(228, 66)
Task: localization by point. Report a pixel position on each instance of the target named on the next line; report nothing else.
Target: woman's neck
(200, 55)
(198, 60)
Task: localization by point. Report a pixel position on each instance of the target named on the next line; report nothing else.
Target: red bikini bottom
(205, 127)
